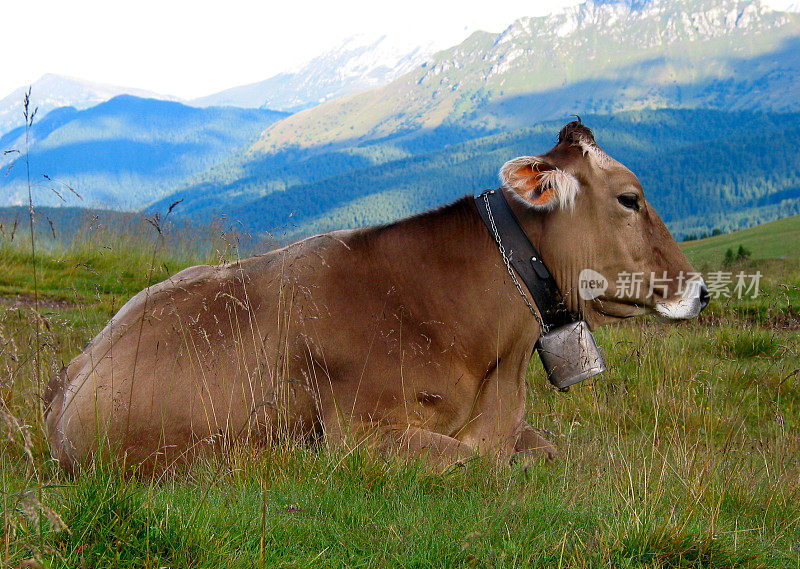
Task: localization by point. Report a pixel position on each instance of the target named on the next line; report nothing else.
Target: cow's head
(608, 249)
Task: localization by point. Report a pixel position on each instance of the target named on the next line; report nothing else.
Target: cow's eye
(631, 201)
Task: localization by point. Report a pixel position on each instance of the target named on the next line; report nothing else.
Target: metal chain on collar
(545, 327)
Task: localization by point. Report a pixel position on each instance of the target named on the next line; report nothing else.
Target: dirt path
(28, 301)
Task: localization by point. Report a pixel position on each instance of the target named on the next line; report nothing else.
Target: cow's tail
(53, 398)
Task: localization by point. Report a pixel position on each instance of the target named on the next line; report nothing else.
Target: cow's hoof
(533, 448)
(549, 451)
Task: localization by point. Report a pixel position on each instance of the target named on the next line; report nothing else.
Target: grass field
(686, 453)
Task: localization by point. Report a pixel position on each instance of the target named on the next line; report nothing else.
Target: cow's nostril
(704, 296)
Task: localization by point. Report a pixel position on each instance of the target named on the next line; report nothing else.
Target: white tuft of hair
(565, 186)
(596, 153)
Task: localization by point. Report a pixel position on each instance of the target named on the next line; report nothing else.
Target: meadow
(686, 453)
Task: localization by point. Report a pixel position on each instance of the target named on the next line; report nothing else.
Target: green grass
(684, 454)
(103, 266)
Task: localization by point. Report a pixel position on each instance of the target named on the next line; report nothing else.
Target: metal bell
(570, 354)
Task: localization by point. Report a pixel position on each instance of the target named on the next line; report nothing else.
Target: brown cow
(412, 332)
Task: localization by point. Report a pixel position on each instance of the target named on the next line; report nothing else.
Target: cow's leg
(498, 409)
(530, 445)
(437, 449)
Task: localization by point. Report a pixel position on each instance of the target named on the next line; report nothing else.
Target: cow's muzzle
(689, 305)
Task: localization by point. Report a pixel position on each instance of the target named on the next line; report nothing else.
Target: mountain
(597, 57)
(53, 91)
(123, 153)
(685, 92)
(369, 150)
(358, 64)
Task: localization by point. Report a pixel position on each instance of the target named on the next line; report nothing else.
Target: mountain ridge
(52, 91)
(739, 55)
(124, 152)
(541, 54)
(600, 58)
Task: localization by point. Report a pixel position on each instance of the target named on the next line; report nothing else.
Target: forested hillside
(701, 169)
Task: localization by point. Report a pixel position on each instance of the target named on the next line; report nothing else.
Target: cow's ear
(540, 184)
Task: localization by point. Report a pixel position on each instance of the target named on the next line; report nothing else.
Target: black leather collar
(524, 258)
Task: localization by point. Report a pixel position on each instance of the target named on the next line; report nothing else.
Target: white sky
(190, 48)
(198, 47)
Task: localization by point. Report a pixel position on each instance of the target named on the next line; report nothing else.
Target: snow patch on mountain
(359, 63)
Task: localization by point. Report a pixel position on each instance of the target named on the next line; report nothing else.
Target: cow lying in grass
(411, 332)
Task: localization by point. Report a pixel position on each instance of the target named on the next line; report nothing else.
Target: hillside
(689, 162)
(57, 222)
(728, 73)
(123, 153)
(776, 239)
